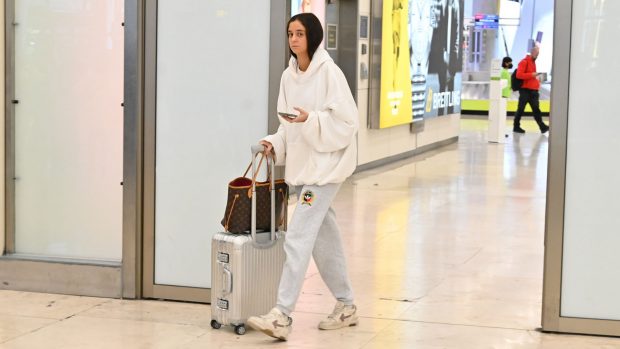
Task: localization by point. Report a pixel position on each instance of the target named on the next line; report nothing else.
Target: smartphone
(287, 115)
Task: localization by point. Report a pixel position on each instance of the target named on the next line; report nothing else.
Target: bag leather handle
(269, 174)
(232, 207)
(250, 166)
(283, 211)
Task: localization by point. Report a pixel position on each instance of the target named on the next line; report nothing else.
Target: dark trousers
(528, 96)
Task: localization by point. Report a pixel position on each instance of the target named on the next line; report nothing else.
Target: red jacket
(526, 67)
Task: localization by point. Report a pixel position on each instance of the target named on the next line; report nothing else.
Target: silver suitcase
(246, 269)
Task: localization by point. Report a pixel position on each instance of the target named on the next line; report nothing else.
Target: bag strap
(258, 168)
(232, 207)
(250, 166)
(269, 174)
(284, 210)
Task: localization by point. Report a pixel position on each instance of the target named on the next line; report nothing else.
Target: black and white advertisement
(436, 56)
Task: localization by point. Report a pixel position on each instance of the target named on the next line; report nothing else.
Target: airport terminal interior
(126, 121)
(452, 259)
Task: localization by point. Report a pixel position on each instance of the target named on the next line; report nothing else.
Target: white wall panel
(69, 128)
(212, 89)
(590, 282)
(2, 140)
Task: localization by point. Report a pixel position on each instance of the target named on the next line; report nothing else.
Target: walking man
(528, 93)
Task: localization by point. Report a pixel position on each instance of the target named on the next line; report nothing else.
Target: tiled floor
(445, 251)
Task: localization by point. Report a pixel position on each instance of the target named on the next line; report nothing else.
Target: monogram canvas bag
(237, 217)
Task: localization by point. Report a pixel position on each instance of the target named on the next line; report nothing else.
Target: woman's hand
(303, 116)
(268, 146)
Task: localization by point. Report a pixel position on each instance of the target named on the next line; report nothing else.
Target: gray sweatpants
(313, 231)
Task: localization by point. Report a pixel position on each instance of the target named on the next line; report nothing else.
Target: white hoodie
(323, 149)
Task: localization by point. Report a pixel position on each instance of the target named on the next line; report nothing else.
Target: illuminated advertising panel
(395, 100)
(426, 35)
(482, 21)
(304, 6)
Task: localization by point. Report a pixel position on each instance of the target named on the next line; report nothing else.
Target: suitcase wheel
(240, 330)
(216, 325)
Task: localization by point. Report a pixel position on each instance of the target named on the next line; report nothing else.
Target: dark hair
(505, 61)
(314, 31)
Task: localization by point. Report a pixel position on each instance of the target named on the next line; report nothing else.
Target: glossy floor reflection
(445, 250)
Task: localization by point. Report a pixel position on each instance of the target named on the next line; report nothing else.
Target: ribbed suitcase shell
(255, 273)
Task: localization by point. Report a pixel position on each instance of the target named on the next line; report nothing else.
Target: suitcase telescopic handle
(257, 148)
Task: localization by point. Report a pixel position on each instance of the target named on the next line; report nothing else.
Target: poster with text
(432, 31)
(445, 60)
(395, 99)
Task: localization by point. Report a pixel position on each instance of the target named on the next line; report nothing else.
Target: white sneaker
(342, 316)
(274, 324)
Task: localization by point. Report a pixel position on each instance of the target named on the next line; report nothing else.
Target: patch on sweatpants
(307, 198)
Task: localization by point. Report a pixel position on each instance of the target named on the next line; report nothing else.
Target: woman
(505, 75)
(318, 145)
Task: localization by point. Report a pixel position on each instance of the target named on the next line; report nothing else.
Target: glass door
(209, 64)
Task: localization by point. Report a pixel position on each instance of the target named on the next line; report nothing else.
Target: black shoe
(544, 129)
(518, 130)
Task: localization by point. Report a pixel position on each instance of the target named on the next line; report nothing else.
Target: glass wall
(211, 105)
(520, 24)
(68, 131)
(590, 283)
(2, 137)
